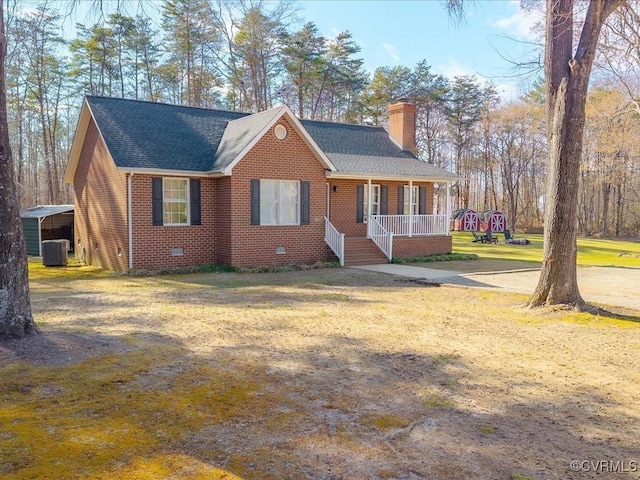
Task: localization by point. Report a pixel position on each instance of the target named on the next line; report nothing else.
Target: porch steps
(362, 251)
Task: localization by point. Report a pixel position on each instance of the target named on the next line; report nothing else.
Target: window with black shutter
(176, 201)
(280, 202)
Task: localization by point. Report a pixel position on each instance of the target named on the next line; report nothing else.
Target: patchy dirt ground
(328, 374)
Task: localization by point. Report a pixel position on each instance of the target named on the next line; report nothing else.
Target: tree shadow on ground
(614, 313)
(237, 398)
(337, 408)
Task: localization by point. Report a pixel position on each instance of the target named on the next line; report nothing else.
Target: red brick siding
(287, 159)
(223, 217)
(100, 199)
(153, 245)
(226, 235)
(419, 246)
(343, 208)
(402, 125)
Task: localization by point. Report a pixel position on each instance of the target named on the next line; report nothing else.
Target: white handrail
(334, 239)
(413, 225)
(380, 236)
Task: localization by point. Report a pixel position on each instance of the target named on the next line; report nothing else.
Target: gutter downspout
(130, 219)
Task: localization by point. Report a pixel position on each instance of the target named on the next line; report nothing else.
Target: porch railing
(380, 236)
(413, 225)
(334, 239)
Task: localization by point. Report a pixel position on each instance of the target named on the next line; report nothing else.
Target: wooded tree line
(250, 56)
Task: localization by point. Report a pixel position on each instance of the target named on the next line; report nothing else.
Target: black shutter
(255, 202)
(422, 205)
(401, 200)
(384, 195)
(156, 198)
(194, 192)
(360, 204)
(305, 202)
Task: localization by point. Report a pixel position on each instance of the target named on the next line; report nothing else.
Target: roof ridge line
(341, 123)
(173, 105)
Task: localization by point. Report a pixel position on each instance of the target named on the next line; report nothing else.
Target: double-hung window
(379, 201)
(414, 200)
(375, 201)
(418, 200)
(280, 202)
(176, 201)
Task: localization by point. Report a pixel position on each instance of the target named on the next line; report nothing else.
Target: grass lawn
(501, 256)
(323, 374)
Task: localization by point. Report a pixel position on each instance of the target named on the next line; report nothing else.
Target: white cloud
(26, 12)
(391, 51)
(454, 69)
(521, 24)
(507, 91)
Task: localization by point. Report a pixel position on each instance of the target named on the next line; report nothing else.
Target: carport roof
(41, 211)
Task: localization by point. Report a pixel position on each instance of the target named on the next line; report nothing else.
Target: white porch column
(410, 208)
(368, 206)
(369, 199)
(448, 208)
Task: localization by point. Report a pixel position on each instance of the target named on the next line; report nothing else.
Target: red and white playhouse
(464, 220)
(493, 220)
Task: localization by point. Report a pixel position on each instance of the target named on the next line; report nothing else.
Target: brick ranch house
(159, 186)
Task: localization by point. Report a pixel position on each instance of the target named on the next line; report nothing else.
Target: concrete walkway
(409, 271)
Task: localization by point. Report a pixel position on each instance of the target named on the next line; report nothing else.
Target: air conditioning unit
(54, 252)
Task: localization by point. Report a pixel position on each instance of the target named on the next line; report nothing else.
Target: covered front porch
(360, 228)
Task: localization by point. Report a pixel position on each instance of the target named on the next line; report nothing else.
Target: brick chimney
(402, 124)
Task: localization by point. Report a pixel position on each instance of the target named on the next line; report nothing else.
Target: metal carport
(45, 221)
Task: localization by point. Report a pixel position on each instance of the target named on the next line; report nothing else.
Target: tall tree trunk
(619, 209)
(15, 306)
(47, 158)
(606, 191)
(567, 80)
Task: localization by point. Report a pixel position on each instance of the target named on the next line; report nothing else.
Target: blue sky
(405, 32)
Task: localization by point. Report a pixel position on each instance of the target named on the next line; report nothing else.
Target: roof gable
(242, 134)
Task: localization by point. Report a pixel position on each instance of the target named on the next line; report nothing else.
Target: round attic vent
(280, 131)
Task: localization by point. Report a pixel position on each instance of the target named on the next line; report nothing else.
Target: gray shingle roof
(170, 137)
(388, 166)
(240, 133)
(353, 139)
(160, 136)
(365, 150)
